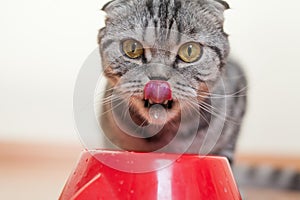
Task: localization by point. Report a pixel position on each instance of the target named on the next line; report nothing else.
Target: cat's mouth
(158, 92)
(166, 104)
(156, 105)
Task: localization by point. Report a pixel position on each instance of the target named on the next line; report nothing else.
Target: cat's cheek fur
(202, 92)
(112, 77)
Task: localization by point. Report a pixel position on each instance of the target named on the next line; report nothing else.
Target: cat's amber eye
(190, 52)
(133, 49)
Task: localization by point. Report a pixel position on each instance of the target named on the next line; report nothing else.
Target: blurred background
(44, 43)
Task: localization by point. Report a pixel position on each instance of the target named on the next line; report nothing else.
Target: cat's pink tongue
(158, 92)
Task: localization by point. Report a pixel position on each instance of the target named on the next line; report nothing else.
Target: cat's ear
(113, 5)
(224, 4)
(218, 7)
(107, 5)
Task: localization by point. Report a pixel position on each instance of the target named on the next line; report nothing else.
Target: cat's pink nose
(158, 92)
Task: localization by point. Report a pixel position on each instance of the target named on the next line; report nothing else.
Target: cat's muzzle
(158, 92)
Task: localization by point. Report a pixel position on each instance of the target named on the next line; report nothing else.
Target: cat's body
(208, 93)
(164, 95)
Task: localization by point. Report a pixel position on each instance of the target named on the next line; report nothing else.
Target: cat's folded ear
(218, 7)
(108, 4)
(113, 4)
(115, 7)
(223, 3)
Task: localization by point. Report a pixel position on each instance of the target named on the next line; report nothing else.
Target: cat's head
(167, 52)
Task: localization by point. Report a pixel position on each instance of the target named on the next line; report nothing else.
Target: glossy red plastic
(189, 177)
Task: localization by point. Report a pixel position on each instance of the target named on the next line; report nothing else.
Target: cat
(171, 84)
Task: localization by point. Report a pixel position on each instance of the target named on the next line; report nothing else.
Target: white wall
(265, 37)
(44, 43)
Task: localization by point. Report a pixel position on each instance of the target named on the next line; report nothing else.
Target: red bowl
(150, 176)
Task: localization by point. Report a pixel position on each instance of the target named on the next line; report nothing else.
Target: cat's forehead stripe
(149, 5)
(164, 14)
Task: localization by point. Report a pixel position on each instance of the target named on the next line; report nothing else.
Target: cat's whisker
(213, 111)
(113, 97)
(111, 109)
(204, 117)
(235, 94)
(221, 115)
(210, 106)
(141, 127)
(195, 108)
(108, 101)
(221, 96)
(102, 92)
(126, 110)
(172, 123)
(122, 100)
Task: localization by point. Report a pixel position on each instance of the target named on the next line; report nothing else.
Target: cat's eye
(132, 48)
(190, 52)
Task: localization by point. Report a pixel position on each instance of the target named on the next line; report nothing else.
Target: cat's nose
(158, 78)
(158, 92)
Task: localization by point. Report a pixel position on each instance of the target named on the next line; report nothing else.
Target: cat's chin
(155, 114)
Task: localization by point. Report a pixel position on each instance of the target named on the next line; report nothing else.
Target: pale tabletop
(264, 194)
(36, 175)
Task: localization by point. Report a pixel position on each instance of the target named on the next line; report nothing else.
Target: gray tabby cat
(171, 86)
(170, 58)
